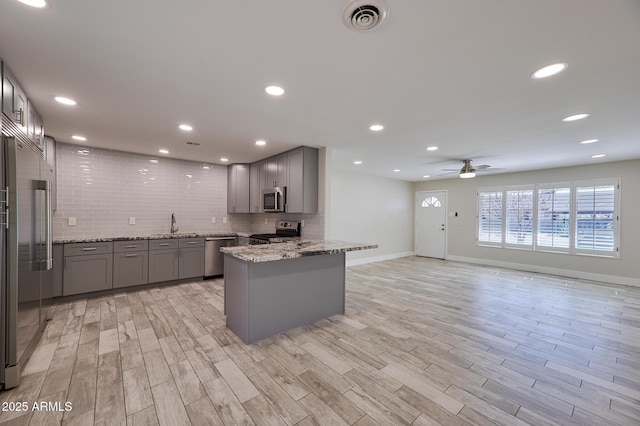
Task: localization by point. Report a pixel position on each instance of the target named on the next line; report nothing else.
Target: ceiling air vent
(192, 143)
(362, 15)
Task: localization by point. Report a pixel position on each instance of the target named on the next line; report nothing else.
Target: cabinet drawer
(169, 243)
(128, 246)
(191, 242)
(81, 249)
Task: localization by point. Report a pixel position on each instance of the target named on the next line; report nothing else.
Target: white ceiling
(451, 73)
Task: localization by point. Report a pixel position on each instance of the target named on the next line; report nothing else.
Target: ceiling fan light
(467, 174)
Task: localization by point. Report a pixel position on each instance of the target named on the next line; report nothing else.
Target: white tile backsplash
(102, 189)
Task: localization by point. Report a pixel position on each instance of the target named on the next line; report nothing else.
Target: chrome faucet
(174, 227)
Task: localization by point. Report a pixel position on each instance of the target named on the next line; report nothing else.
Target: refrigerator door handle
(47, 262)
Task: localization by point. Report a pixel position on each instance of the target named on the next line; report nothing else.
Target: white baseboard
(614, 279)
(365, 260)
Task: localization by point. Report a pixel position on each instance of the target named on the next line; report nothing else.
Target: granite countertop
(293, 249)
(143, 237)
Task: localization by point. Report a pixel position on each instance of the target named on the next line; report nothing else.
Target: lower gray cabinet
(84, 270)
(130, 263)
(191, 258)
(163, 260)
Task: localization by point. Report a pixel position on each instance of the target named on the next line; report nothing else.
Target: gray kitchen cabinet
(238, 182)
(302, 189)
(130, 263)
(257, 184)
(14, 100)
(58, 266)
(276, 169)
(163, 260)
(87, 267)
(177, 258)
(191, 258)
(35, 128)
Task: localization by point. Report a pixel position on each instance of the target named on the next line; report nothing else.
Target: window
(490, 217)
(431, 202)
(553, 217)
(595, 213)
(519, 209)
(575, 217)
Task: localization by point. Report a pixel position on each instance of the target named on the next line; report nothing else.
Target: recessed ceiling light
(205, 167)
(576, 117)
(425, 176)
(598, 155)
(224, 159)
(185, 127)
(79, 138)
(357, 162)
(376, 127)
(432, 148)
(153, 160)
(549, 70)
(261, 143)
(34, 3)
(589, 141)
(274, 90)
(163, 151)
(65, 101)
(396, 170)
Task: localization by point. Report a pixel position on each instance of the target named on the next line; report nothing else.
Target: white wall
(370, 209)
(461, 244)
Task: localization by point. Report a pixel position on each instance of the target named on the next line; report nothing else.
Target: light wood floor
(422, 342)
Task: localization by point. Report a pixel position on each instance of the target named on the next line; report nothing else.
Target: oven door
(273, 200)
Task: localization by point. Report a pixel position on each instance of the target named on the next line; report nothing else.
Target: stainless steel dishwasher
(213, 258)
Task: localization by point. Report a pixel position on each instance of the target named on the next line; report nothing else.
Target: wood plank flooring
(422, 342)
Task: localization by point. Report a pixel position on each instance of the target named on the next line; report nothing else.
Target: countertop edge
(293, 250)
(144, 237)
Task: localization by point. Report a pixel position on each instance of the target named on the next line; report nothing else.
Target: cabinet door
(282, 174)
(256, 174)
(83, 274)
(238, 187)
(163, 265)
(130, 269)
(191, 262)
(302, 191)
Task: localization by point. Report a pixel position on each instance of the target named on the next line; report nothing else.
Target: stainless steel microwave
(273, 199)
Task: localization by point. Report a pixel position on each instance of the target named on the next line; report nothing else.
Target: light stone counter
(293, 249)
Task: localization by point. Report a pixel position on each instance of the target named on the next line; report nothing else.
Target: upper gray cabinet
(238, 182)
(258, 180)
(14, 101)
(21, 110)
(276, 169)
(302, 188)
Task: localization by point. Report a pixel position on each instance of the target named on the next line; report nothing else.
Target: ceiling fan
(469, 171)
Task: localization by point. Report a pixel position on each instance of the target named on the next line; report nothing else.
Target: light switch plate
(72, 221)
(302, 223)
(266, 221)
(132, 221)
(224, 220)
(213, 220)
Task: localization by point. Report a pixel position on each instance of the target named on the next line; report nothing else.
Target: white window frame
(572, 249)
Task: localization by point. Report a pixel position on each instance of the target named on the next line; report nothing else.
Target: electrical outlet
(132, 221)
(213, 220)
(72, 221)
(266, 221)
(302, 223)
(224, 220)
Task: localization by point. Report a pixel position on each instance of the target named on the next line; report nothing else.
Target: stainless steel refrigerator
(25, 253)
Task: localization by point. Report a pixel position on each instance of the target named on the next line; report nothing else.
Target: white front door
(431, 220)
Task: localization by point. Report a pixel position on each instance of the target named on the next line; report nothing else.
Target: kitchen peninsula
(271, 288)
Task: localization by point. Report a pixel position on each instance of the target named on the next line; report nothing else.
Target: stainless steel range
(284, 229)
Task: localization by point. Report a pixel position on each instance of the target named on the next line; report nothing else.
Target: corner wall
(461, 233)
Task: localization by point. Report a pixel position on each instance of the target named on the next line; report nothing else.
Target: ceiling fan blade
(450, 173)
(451, 170)
(481, 167)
